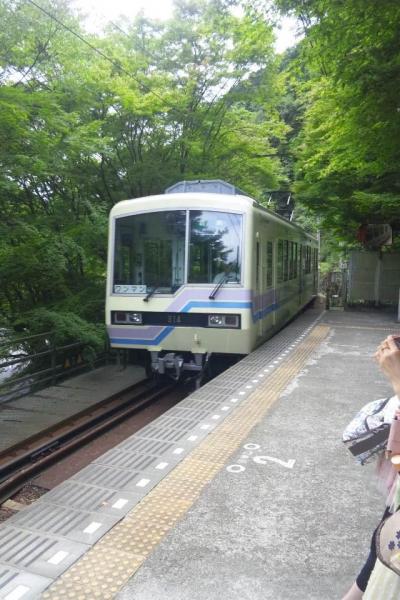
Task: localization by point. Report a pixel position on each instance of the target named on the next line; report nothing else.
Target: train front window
(214, 247)
(150, 252)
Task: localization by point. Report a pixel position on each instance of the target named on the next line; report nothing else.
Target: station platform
(242, 491)
(32, 414)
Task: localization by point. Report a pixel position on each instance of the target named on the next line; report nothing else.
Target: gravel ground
(81, 457)
(29, 493)
(6, 513)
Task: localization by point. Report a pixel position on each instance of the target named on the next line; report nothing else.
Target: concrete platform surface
(290, 516)
(29, 415)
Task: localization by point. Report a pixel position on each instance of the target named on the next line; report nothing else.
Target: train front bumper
(197, 340)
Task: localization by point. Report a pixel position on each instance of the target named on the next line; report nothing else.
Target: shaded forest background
(88, 120)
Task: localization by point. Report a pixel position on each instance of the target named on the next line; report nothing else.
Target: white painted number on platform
(248, 450)
(262, 460)
(235, 468)
(252, 446)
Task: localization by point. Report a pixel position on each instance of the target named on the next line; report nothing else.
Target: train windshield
(214, 247)
(150, 252)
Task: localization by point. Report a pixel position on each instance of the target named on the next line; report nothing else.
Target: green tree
(87, 120)
(347, 151)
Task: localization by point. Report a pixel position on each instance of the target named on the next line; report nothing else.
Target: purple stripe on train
(262, 301)
(146, 333)
(178, 305)
(260, 306)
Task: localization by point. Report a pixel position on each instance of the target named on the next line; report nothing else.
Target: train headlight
(122, 317)
(215, 321)
(228, 321)
(135, 318)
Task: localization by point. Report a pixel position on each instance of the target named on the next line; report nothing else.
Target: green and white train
(203, 269)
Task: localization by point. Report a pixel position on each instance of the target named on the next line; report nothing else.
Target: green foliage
(346, 77)
(67, 328)
(200, 96)
(195, 97)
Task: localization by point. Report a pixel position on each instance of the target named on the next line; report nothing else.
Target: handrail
(46, 367)
(14, 341)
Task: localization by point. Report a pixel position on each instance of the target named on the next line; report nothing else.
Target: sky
(100, 11)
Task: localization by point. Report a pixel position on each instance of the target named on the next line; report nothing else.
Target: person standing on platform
(375, 581)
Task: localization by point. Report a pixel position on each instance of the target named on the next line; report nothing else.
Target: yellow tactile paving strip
(108, 565)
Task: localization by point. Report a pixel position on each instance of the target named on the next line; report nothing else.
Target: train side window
(307, 266)
(280, 262)
(315, 259)
(270, 262)
(301, 259)
(295, 250)
(285, 260)
(291, 260)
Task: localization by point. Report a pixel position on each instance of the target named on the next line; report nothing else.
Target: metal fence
(31, 363)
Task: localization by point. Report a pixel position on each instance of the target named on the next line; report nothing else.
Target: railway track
(25, 460)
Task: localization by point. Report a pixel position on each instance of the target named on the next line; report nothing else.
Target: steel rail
(126, 395)
(22, 462)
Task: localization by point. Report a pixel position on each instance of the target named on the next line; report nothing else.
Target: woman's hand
(388, 358)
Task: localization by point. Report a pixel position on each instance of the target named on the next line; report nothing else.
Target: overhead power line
(120, 67)
(116, 64)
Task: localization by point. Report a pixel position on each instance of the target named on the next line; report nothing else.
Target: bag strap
(378, 436)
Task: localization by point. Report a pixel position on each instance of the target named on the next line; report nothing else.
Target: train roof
(210, 186)
(208, 199)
